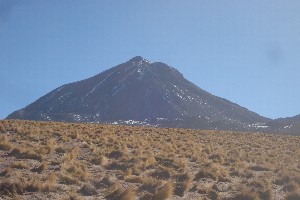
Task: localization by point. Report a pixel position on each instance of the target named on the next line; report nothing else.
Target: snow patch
(77, 117)
(139, 71)
(179, 96)
(290, 126)
(147, 61)
(131, 122)
(259, 125)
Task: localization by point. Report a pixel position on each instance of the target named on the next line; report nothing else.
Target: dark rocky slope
(140, 92)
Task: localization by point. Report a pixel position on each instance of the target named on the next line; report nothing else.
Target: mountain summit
(140, 91)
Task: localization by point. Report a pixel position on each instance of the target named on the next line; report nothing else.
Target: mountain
(140, 92)
(289, 125)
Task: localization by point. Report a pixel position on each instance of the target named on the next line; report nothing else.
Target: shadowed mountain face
(140, 92)
(289, 125)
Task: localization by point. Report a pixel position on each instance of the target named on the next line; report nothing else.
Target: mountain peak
(136, 59)
(139, 59)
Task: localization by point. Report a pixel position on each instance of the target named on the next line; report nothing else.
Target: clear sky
(245, 51)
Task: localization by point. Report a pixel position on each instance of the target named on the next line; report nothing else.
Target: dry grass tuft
(165, 192)
(122, 194)
(259, 168)
(148, 184)
(20, 165)
(60, 149)
(162, 173)
(6, 172)
(22, 153)
(267, 195)
(293, 196)
(211, 171)
(68, 180)
(184, 182)
(41, 168)
(34, 186)
(11, 187)
(5, 145)
(101, 160)
(88, 190)
(247, 194)
(292, 186)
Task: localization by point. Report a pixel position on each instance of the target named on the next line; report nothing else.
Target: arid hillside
(47, 160)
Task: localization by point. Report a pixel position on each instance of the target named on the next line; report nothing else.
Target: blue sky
(244, 51)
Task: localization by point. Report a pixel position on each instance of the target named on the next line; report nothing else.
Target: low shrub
(293, 196)
(88, 190)
(246, 194)
(11, 187)
(165, 192)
